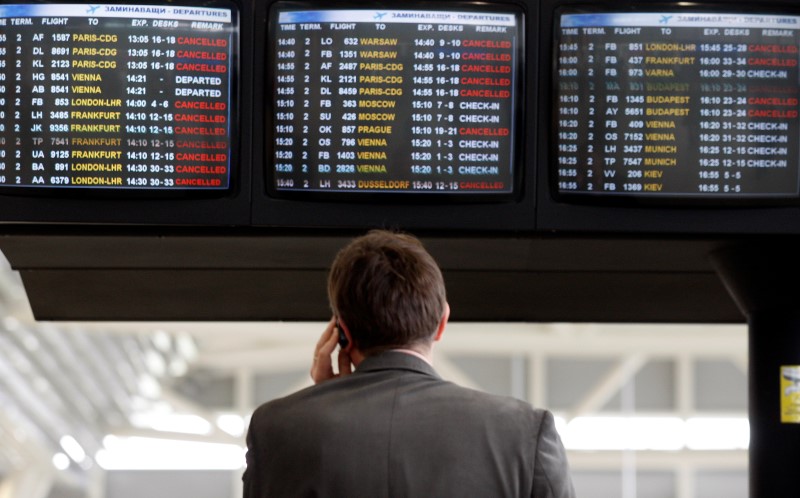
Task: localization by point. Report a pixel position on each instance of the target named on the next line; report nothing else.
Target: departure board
(113, 96)
(394, 101)
(681, 105)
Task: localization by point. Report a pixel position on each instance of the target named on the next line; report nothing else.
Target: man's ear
(442, 322)
(344, 330)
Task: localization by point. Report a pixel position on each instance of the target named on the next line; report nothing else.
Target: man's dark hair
(387, 290)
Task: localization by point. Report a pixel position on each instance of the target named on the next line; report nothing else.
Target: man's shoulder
(492, 401)
(400, 377)
(303, 393)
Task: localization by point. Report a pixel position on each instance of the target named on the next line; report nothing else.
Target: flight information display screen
(677, 104)
(113, 96)
(394, 101)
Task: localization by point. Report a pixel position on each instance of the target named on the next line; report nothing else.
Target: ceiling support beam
(609, 385)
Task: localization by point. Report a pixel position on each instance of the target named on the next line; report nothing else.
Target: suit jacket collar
(396, 360)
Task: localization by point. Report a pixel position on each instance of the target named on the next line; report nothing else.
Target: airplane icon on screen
(92, 8)
(665, 19)
(379, 15)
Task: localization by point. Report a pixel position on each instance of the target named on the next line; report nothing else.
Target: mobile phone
(342, 337)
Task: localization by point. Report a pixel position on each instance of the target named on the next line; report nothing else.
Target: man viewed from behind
(392, 427)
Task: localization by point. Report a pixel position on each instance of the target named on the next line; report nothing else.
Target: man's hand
(322, 368)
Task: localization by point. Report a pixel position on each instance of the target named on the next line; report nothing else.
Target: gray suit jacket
(396, 429)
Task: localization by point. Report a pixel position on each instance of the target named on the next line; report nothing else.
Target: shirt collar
(413, 353)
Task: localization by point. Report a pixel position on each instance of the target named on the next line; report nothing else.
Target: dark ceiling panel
(282, 277)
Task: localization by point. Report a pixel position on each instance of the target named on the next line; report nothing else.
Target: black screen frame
(407, 197)
(515, 215)
(148, 208)
(236, 124)
(636, 218)
(677, 200)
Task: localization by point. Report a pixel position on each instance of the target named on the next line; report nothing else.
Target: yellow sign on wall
(790, 394)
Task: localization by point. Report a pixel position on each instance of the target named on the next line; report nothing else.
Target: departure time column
(287, 75)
